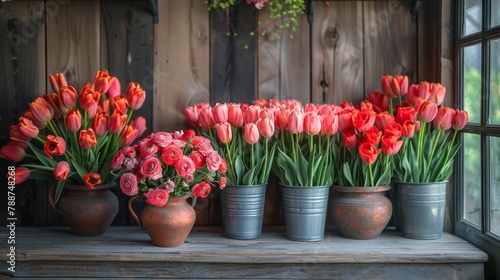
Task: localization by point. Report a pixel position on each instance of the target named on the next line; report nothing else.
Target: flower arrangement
(83, 132)
(164, 164)
(428, 151)
(243, 135)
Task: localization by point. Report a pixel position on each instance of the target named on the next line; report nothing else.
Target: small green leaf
(59, 188)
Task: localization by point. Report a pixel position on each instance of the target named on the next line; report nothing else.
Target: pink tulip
(251, 114)
(444, 118)
(53, 101)
(312, 123)
(191, 114)
(140, 124)
(399, 85)
(224, 132)
(310, 107)
(235, 115)
(345, 120)
(437, 93)
(460, 119)
(220, 113)
(41, 111)
(12, 151)
(251, 133)
(27, 128)
(266, 127)
(73, 120)
(135, 95)
(281, 119)
(296, 122)
(329, 124)
(206, 118)
(57, 81)
(16, 134)
(67, 97)
(427, 111)
(386, 86)
(61, 170)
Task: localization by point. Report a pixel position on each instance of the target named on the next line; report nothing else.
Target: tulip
(220, 113)
(365, 105)
(368, 153)
(329, 124)
(67, 97)
(140, 124)
(437, 93)
(12, 151)
(349, 138)
(363, 120)
(224, 132)
(57, 81)
(91, 180)
(384, 119)
(261, 102)
(266, 127)
(128, 135)
(251, 114)
(394, 129)
(21, 174)
(54, 146)
(27, 128)
(191, 113)
(399, 85)
(312, 123)
(345, 120)
(73, 120)
(116, 122)
(103, 106)
(379, 101)
(266, 113)
(427, 111)
(460, 119)
(281, 119)
(87, 139)
(310, 107)
(386, 86)
(251, 133)
(61, 170)
(408, 128)
(16, 134)
(89, 99)
(119, 102)
(235, 116)
(405, 114)
(372, 136)
(99, 123)
(444, 118)
(53, 101)
(206, 118)
(296, 122)
(106, 84)
(41, 111)
(135, 95)
(391, 144)
(415, 92)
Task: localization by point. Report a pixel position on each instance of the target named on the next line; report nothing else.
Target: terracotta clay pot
(169, 225)
(360, 212)
(86, 211)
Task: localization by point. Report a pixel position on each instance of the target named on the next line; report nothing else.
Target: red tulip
(224, 132)
(128, 135)
(372, 136)
(87, 139)
(391, 144)
(57, 81)
(408, 128)
(140, 124)
(54, 146)
(235, 115)
(296, 122)
(99, 123)
(444, 118)
(460, 119)
(350, 138)
(363, 120)
(67, 97)
(399, 85)
(27, 128)
(61, 170)
(73, 120)
(251, 133)
(103, 107)
(405, 114)
(345, 120)
(220, 113)
(312, 123)
(89, 99)
(427, 111)
(191, 113)
(119, 102)
(437, 93)
(266, 127)
(135, 95)
(116, 122)
(386, 86)
(281, 119)
(21, 174)
(310, 107)
(41, 111)
(368, 153)
(206, 118)
(394, 130)
(12, 151)
(384, 119)
(91, 180)
(379, 101)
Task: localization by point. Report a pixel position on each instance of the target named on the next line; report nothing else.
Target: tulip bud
(427, 111)
(12, 151)
(41, 111)
(437, 93)
(67, 97)
(116, 122)
(89, 99)
(140, 124)
(135, 95)
(99, 123)
(57, 81)
(444, 118)
(296, 122)
(251, 114)
(206, 118)
(460, 119)
(128, 135)
(235, 115)
(119, 102)
(73, 120)
(266, 127)
(330, 124)
(224, 132)
(220, 113)
(27, 128)
(312, 123)
(61, 170)
(368, 153)
(251, 133)
(191, 113)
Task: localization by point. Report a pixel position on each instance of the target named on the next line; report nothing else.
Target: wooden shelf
(52, 252)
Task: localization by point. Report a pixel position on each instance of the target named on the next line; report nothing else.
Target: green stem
(263, 178)
(434, 145)
(391, 108)
(371, 175)
(420, 147)
(51, 126)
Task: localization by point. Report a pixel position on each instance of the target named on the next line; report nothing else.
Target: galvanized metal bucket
(422, 207)
(305, 212)
(243, 211)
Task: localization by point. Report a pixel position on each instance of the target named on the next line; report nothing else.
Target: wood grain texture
(181, 57)
(126, 251)
(338, 52)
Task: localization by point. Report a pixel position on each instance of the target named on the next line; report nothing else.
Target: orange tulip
(91, 180)
(128, 135)
(67, 97)
(368, 153)
(99, 123)
(54, 146)
(224, 132)
(12, 151)
(408, 128)
(119, 102)
(87, 139)
(106, 84)
(89, 99)
(61, 170)
(73, 120)
(135, 95)
(116, 122)
(391, 144)
(21, 174)
(57, 81)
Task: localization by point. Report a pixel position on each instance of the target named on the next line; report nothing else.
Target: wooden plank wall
(187, 57)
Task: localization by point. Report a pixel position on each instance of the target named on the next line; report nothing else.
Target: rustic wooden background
(180, 54)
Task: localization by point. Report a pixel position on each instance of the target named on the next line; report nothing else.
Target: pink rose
(213, 161)
(157, 197)
(128, 184)
(185, 167)
(202, 190)
(151, 167)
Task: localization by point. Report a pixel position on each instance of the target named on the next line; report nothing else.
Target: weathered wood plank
(338, 71)
(389, 42)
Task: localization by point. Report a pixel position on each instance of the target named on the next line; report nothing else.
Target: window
(478, 166)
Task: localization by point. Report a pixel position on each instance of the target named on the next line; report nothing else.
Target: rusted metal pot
(360, 212)
(86, 211)
(169, 225)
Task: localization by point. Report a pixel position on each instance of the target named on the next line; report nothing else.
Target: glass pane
(471, 71)
(472, 17)
(495, 13)
(495, 185)
(472, 178)
(495, 81)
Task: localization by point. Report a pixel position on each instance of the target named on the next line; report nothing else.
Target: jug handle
(51, 196)
(131, 210)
